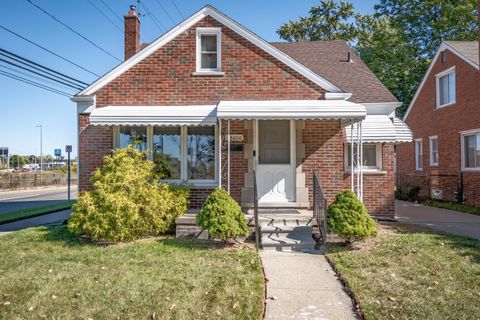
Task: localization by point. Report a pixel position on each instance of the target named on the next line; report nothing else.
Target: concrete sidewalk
(46, 219)
(303, 286)
(444, 220)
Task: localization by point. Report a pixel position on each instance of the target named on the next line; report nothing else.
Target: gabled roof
(228, 22)
(463, 49)
(467, 49)
(329, 60)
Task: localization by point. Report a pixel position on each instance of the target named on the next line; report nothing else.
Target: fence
(25, 180)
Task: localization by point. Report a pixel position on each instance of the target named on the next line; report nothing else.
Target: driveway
(444, 220)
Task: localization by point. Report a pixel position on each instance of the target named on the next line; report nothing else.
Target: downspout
(220, 144)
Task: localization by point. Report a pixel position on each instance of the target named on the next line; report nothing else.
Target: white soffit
(381, 129)
(154, 116)
(188, 23)
(290, 109)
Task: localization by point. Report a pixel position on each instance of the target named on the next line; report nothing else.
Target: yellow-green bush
(127, 201)
(222, 216)
(348, 217)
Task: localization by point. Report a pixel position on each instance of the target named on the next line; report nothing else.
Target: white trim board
(229, 23)
(444, 46)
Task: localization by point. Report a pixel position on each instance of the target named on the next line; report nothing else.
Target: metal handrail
(319, 207)
(255, 211)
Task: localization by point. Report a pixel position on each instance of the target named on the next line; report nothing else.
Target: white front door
(275, 160)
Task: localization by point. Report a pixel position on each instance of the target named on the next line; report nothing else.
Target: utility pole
(41, 153)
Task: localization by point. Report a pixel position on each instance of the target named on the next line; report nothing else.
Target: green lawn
(47, 272)
(421, 275)
(452, 206)
(33, 212)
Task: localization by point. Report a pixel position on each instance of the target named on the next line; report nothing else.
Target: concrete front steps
(280, 230)
(289, 233)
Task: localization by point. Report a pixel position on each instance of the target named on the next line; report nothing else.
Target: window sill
(446, 105)
(470, 169)
(433, 164)
(194, 184)
(369, 172)
(208, 74)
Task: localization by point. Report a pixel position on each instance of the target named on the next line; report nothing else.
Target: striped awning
(381, 129)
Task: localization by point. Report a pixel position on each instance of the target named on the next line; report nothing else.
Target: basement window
(208, 50)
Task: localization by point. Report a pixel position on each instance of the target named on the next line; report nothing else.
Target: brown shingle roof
(329, 60)
(468, 48)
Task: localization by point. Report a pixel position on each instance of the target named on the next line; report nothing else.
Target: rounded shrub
(348, 217)
(222, 216)
(127, 201)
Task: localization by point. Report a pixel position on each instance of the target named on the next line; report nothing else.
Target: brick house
(444, 116)
(220, 103)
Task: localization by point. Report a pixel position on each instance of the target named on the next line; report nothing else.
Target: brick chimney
(132, 33)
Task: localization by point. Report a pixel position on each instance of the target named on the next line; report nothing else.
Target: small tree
(127, 201)
(348, 218)
(222, 217)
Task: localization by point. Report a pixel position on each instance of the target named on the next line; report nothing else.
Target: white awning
(381, 129)
(202, 115)
(404, 133)
(290, 109)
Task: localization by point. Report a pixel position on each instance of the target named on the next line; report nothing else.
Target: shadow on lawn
(62, 234)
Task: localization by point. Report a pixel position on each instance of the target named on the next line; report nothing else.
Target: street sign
(68, 148)
(58, 152)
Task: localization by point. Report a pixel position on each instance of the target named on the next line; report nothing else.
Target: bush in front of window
(128, 201)
(349, 219)
(222, 217)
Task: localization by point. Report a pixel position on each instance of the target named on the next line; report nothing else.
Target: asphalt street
(25, 199)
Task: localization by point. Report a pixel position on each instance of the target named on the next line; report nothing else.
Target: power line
(163, 8)
(178, 10)
(35, 77)
(111, 10)
(153, 17)
(41, 66)
(49, 51)
(33, 83)
(105, 16)
(42, 75)
(73, 30)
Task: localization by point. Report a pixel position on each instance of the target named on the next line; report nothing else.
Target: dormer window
(208, 50)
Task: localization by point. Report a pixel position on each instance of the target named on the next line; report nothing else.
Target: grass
(452, 206)
(49, 273)
(402, 275)
(33, 212)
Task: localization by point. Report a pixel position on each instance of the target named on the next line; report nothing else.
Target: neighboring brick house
(445, 120)
(220, 103)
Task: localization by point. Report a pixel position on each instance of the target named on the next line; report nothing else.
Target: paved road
(55, 218)
(444, 220)
(24, 199)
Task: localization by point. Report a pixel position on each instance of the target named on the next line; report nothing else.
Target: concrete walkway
(303, 286)
(444, 220)
(46, 219)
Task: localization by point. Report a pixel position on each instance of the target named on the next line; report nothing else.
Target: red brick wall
(446, 123)
(198, 196)
(95, 143)
(324, 151)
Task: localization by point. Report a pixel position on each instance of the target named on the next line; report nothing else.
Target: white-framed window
(372, 157)
(433, 147)
(209, 50)
(445, 88)
(189, 151)
(418, 154)
(470, 150)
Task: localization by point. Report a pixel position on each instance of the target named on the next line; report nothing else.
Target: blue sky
(22, 106)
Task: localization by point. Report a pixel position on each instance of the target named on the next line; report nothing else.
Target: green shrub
(348, 218)
(222, 216)
(127, 201)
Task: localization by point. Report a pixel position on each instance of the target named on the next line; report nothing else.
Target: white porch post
(228, 153)
(220, 144)
(361, 160)
(358, 159)
(351, 156)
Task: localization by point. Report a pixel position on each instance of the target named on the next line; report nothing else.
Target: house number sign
(235, 138)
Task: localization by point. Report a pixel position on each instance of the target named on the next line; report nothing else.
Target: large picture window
(167, 145)
(189, 152)
(372, 157)
(201, 153)
(471, 150)
(134, 136)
